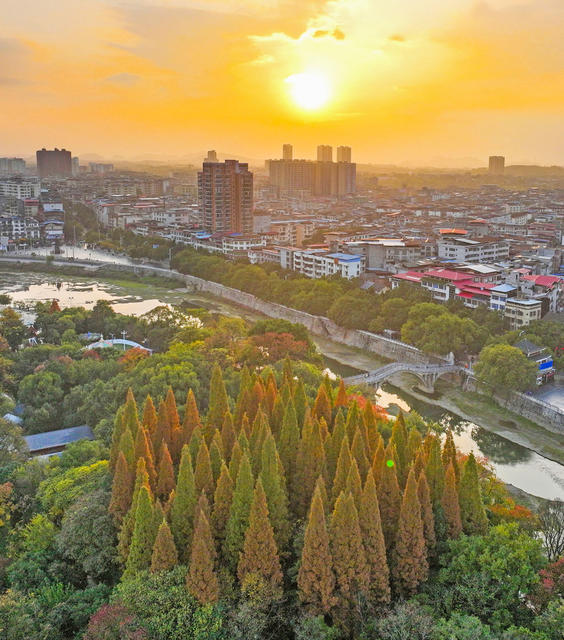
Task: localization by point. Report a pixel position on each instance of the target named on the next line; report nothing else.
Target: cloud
(396, 37)
(325, 33)
(123, 79)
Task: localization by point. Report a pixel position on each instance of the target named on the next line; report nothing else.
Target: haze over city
(422, 83)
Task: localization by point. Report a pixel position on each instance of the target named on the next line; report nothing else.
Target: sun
(309, 90)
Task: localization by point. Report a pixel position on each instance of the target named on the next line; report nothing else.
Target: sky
(420, 82)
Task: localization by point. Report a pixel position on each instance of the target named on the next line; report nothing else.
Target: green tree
(239, 514)
(505, 368)
(472, 512)
(143, 538)
(183, 505)
(164, 556)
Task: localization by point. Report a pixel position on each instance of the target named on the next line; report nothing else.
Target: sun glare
(309, 90)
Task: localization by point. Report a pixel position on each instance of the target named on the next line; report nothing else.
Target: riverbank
(469, 406)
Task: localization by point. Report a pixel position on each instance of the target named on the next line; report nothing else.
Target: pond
(513, 463)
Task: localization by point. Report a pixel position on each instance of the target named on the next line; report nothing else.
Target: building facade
(54, 163)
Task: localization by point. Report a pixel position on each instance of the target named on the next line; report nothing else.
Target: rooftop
(58, 438)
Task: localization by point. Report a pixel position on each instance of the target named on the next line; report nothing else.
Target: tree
(551, 524)
(374, 543)
(164, 555)
(143, 538)
(505, 368)
(275, 490)
(410, 566)
(449, 455)
(203, 474)
(316, 581)
(342, 470)
(259, 557)
(218, 403)
(183, 505)
(487, 575)
(221, 506)
(201, 580)
(13, 448)
(389, 499)
(239, 513)
(322, 407)
(289, 440)
(165, 480)
(434, 469)
(426, 513)
(191, 417)
(12, 327)
(349, 560)
(451, 508)
(472, 512)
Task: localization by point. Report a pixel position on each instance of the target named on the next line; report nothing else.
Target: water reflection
(497, 449)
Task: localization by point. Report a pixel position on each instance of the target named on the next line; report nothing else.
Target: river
(513, 463)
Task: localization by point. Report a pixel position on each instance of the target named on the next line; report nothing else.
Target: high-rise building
(225, 196)
(343, 154)
(319, 178)
(211, 157)
(75, 166)
(55, 163)
(497, 165)
(12, 165)
(325, 153)
(287, 152)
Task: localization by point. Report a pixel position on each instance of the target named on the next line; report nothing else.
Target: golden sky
(443, 82)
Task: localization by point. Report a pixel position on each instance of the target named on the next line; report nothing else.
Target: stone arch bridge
(428, 374)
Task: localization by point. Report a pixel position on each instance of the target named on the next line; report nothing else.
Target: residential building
(320, 263)
(54, 163)
(225, 196)
(287, 152)
(20, 188)
(12, 165)
(497, 165)
(324, 153)
(541, 357)
(343, 154)
(522, 311)
(462, 249)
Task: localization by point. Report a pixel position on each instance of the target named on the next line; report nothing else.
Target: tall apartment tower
(497, 165)
(225, 196)
(55, 163)
(324, 153)
(344, 154)
(287, 152)
(211, 157)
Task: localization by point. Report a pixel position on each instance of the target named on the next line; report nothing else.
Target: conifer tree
(414, 441)
(258, 434)
(182, 508)
(449, 455)
(143, 539)
(163, 432)
(203, 507)
(219, 403)
(419, 462)
(435, 470)
(255, 400)
(372, 434)
(426, 512)
(275, 490)
(130, 414)
(245, 427)
(259, 557)
(191, 417)
(310, 465)
(399, 441)
(300, 402)
(379, 461)
(241, 407)
(450, 504)
(227, 435)
(164, 555)
(216, 457)
(203, 474)
(201, 580)
(143, 449)
(119, 427)
(236, 455)
(472, 513)
(374, 543)
(277, 417)
(352, 576)
(316, 580)
(354, 484)
(389, 498)
(239, 513)
(270, 396)
(358, 453)
(165, 482)
(126, 531)
(333, 445)
(127, 447)
(122, 490)
(353, 420)
(342, 399)
(289, 441)
(171, 409)
(149, 421)
(287, 372)
(410, 567)
(176, 444)
(323, 430)
(221, 506)
(342, 470)
(195, 442)
(322, 407)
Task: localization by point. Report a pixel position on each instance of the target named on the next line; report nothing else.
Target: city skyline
(424, 85)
